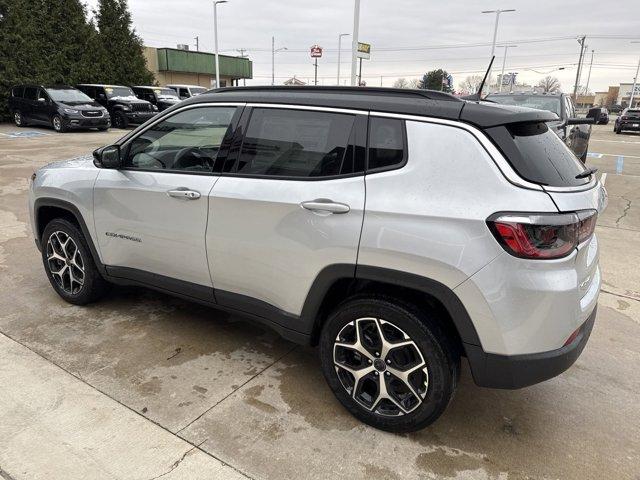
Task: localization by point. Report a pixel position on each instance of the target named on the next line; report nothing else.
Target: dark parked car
(573, 131)
(161, 97)
(61, 107)
(615, 108)
(629, 120)
(600, 114)
(124, 107)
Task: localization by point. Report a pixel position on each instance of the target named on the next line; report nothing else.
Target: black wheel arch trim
(73, 210)
(333, 273)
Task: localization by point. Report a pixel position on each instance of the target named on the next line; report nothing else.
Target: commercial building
(177, 66)
(624, 95)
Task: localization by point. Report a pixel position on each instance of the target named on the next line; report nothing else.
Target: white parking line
(616, 155)
(611, 141)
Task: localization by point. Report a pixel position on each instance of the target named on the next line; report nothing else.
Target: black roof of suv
(393, 100)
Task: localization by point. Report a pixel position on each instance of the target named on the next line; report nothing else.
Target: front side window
(184, 93)
(41, 94)
(296, 143)
(386, 143)
(186, 141)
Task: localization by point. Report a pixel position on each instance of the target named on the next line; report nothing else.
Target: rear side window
(30, 93)
(297, 143)
(17, 92)
(386, 143)
(538, 155)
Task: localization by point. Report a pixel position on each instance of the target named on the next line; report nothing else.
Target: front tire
(69, 264)
(18, 119)
(58, 124)
(120, 120)
(389, 363)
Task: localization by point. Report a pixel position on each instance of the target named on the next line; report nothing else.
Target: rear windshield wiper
(587, 173)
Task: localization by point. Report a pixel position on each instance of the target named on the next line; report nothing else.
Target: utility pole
(315, 69)
(586, 89)
(242, 55)
(197, 39)
(504, 61)
(635, 82)
(339, 52)
(360, 73)
(575, 87)
(354, 40)
(495, 33)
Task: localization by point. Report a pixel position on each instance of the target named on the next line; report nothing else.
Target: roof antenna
(478, 95)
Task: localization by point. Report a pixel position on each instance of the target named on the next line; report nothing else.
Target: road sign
(316, 51)
(364, 51)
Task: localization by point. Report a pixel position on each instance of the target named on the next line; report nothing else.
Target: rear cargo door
(594, 198)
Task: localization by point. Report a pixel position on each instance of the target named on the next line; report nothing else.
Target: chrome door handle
(325, 205)
(184, 194)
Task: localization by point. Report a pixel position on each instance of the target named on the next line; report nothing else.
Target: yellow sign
(364, 50)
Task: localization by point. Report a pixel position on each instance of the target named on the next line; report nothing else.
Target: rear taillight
(542, 236)
(624, 117)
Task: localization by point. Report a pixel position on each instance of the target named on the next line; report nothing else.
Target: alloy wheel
(65, 262)
(380, 367)
(17, 118)
(57, 123)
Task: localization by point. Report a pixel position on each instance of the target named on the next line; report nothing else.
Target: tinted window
(296, 143)
(538, 155)
(30, 93)
(184, 93)
(17, 91)
(41, 94)
(386, 142)
(187, 141)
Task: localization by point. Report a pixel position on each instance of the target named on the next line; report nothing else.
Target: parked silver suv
(398, 230)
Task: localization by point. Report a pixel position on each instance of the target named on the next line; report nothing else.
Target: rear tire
(18, 119)
(69, 264)
(419, 375)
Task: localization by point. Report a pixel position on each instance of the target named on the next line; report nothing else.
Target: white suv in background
(187, 91)
(398, 230)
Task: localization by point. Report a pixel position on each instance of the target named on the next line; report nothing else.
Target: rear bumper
(629, 125)
(518, 371)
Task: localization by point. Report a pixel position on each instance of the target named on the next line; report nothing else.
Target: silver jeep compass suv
(398, 230)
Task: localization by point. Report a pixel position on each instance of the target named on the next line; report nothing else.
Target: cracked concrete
(142, 385)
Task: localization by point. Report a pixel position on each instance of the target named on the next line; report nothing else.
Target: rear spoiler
(487, 115)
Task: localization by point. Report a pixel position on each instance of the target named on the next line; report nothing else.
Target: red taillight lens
(542, 236)
(586, 224)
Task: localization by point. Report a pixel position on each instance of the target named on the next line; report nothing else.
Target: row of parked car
(93, 105)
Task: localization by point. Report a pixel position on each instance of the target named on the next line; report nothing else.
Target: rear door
(290, 204)
(151, 215)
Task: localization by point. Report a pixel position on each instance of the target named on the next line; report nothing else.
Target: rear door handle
(325, 205)
(184, 193)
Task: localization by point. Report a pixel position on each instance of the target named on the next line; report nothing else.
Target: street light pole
(339, 51)
(215, 35)
(504, 61)
(273, 59)
(635, 82)
(495, 31)
(586, 89)
(354, 40)
(575, 87)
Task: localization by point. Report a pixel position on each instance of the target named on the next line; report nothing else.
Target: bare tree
(471, 84)
(414, 83)
(549, 84)
(401, 83)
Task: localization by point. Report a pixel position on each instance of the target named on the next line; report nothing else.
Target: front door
(151, 215)
(42, 107)
(291, 205)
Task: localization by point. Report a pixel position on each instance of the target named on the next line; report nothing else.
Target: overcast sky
(406, 35)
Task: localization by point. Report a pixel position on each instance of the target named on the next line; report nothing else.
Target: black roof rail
(426, 94)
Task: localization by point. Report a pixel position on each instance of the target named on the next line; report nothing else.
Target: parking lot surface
(142, 385)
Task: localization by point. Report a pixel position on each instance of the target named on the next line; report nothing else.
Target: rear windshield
(538, 155)
(633, 112)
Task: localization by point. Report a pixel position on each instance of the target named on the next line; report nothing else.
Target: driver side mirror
(107, 157)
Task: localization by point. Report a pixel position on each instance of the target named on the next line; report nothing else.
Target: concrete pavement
(127, 387)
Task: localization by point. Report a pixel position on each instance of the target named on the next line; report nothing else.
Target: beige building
(175, 66)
